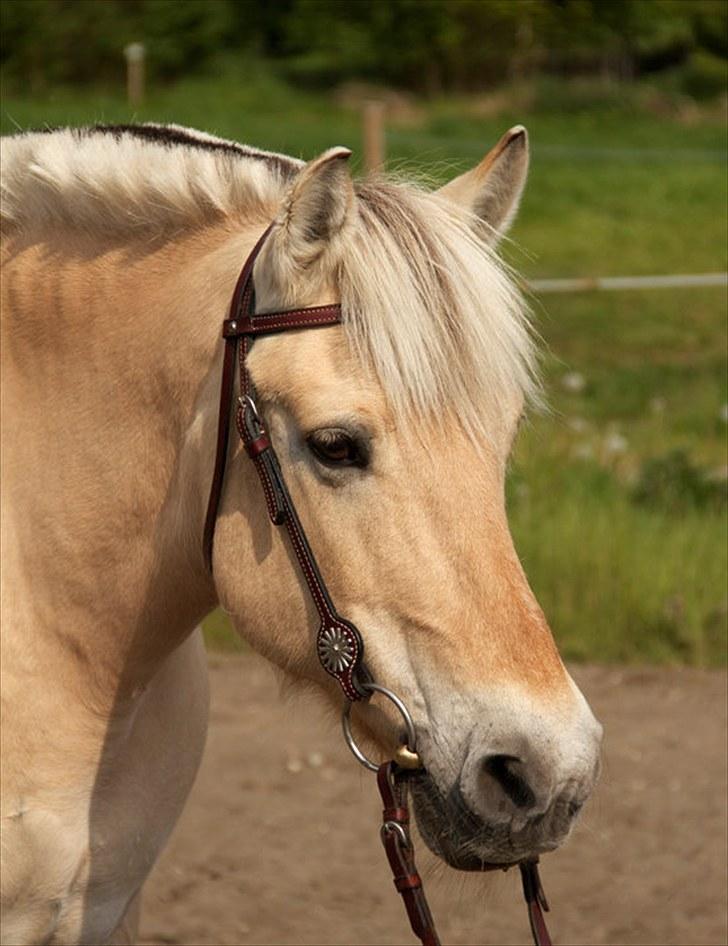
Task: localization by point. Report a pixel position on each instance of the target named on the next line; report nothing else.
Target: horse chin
(464, 841)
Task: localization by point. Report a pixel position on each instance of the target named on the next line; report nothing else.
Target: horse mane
(131, 178)
(426, 300)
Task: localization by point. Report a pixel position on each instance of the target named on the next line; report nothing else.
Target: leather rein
(339, 643)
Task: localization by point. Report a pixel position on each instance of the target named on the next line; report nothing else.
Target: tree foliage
(425, 45)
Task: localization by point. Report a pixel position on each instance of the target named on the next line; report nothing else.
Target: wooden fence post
(134, 54)
(373, 136)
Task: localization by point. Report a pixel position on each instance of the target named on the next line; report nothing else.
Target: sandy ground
(279, 841)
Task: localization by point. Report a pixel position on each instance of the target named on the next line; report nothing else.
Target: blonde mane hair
(131, 178)
(433, 308)
(426, 300)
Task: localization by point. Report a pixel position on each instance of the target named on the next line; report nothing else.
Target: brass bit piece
(407, 759)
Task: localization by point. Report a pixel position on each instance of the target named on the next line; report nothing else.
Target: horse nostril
(502, 769)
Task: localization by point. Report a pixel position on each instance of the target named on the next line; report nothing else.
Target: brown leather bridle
(339, 643)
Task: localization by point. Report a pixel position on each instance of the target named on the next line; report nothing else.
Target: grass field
(618, 494)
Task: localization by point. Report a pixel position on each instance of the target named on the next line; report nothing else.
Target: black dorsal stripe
(170, 137)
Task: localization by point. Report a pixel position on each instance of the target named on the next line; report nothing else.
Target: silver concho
(335, 649)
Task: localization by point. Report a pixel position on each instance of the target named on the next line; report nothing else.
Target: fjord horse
(121, 247)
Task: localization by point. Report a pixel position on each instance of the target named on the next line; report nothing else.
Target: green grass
(219, 635)
(621, 580)
(620, 583)
(617, 187)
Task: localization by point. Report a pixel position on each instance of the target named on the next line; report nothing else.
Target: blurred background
(618, 495)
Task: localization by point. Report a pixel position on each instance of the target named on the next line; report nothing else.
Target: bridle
(339, 643)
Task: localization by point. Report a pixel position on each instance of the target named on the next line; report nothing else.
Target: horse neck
(112, 515)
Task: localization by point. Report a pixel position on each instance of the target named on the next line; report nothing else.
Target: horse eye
(334, 447)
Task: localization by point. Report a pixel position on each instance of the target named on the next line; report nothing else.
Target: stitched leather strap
(268, 322)
(400, 853)
(242, 325)
(339, 643)
(282, 511)
(221, 450)
(535, 901)
(227, 385)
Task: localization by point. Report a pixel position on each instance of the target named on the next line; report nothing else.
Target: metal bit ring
(411, 744)
(394, 826)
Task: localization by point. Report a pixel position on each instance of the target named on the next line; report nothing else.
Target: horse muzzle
(516, 792)
(468, 840)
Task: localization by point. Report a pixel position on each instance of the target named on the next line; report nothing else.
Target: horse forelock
(429, 304)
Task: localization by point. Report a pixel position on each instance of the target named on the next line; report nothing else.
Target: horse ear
(317, 206)
(492, 190)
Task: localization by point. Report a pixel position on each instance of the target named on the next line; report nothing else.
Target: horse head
(394, 431)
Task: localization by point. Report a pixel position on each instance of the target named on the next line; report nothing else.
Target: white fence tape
(591, 283)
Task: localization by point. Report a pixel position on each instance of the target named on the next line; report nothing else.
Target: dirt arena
(279, 841)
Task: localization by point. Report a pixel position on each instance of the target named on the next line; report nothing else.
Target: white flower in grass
(577, 424)
(615, 444)
(583, 451)
(724, 413)
(574, 382)
(719, 474)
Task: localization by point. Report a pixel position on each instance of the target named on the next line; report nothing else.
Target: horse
(121, 247)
